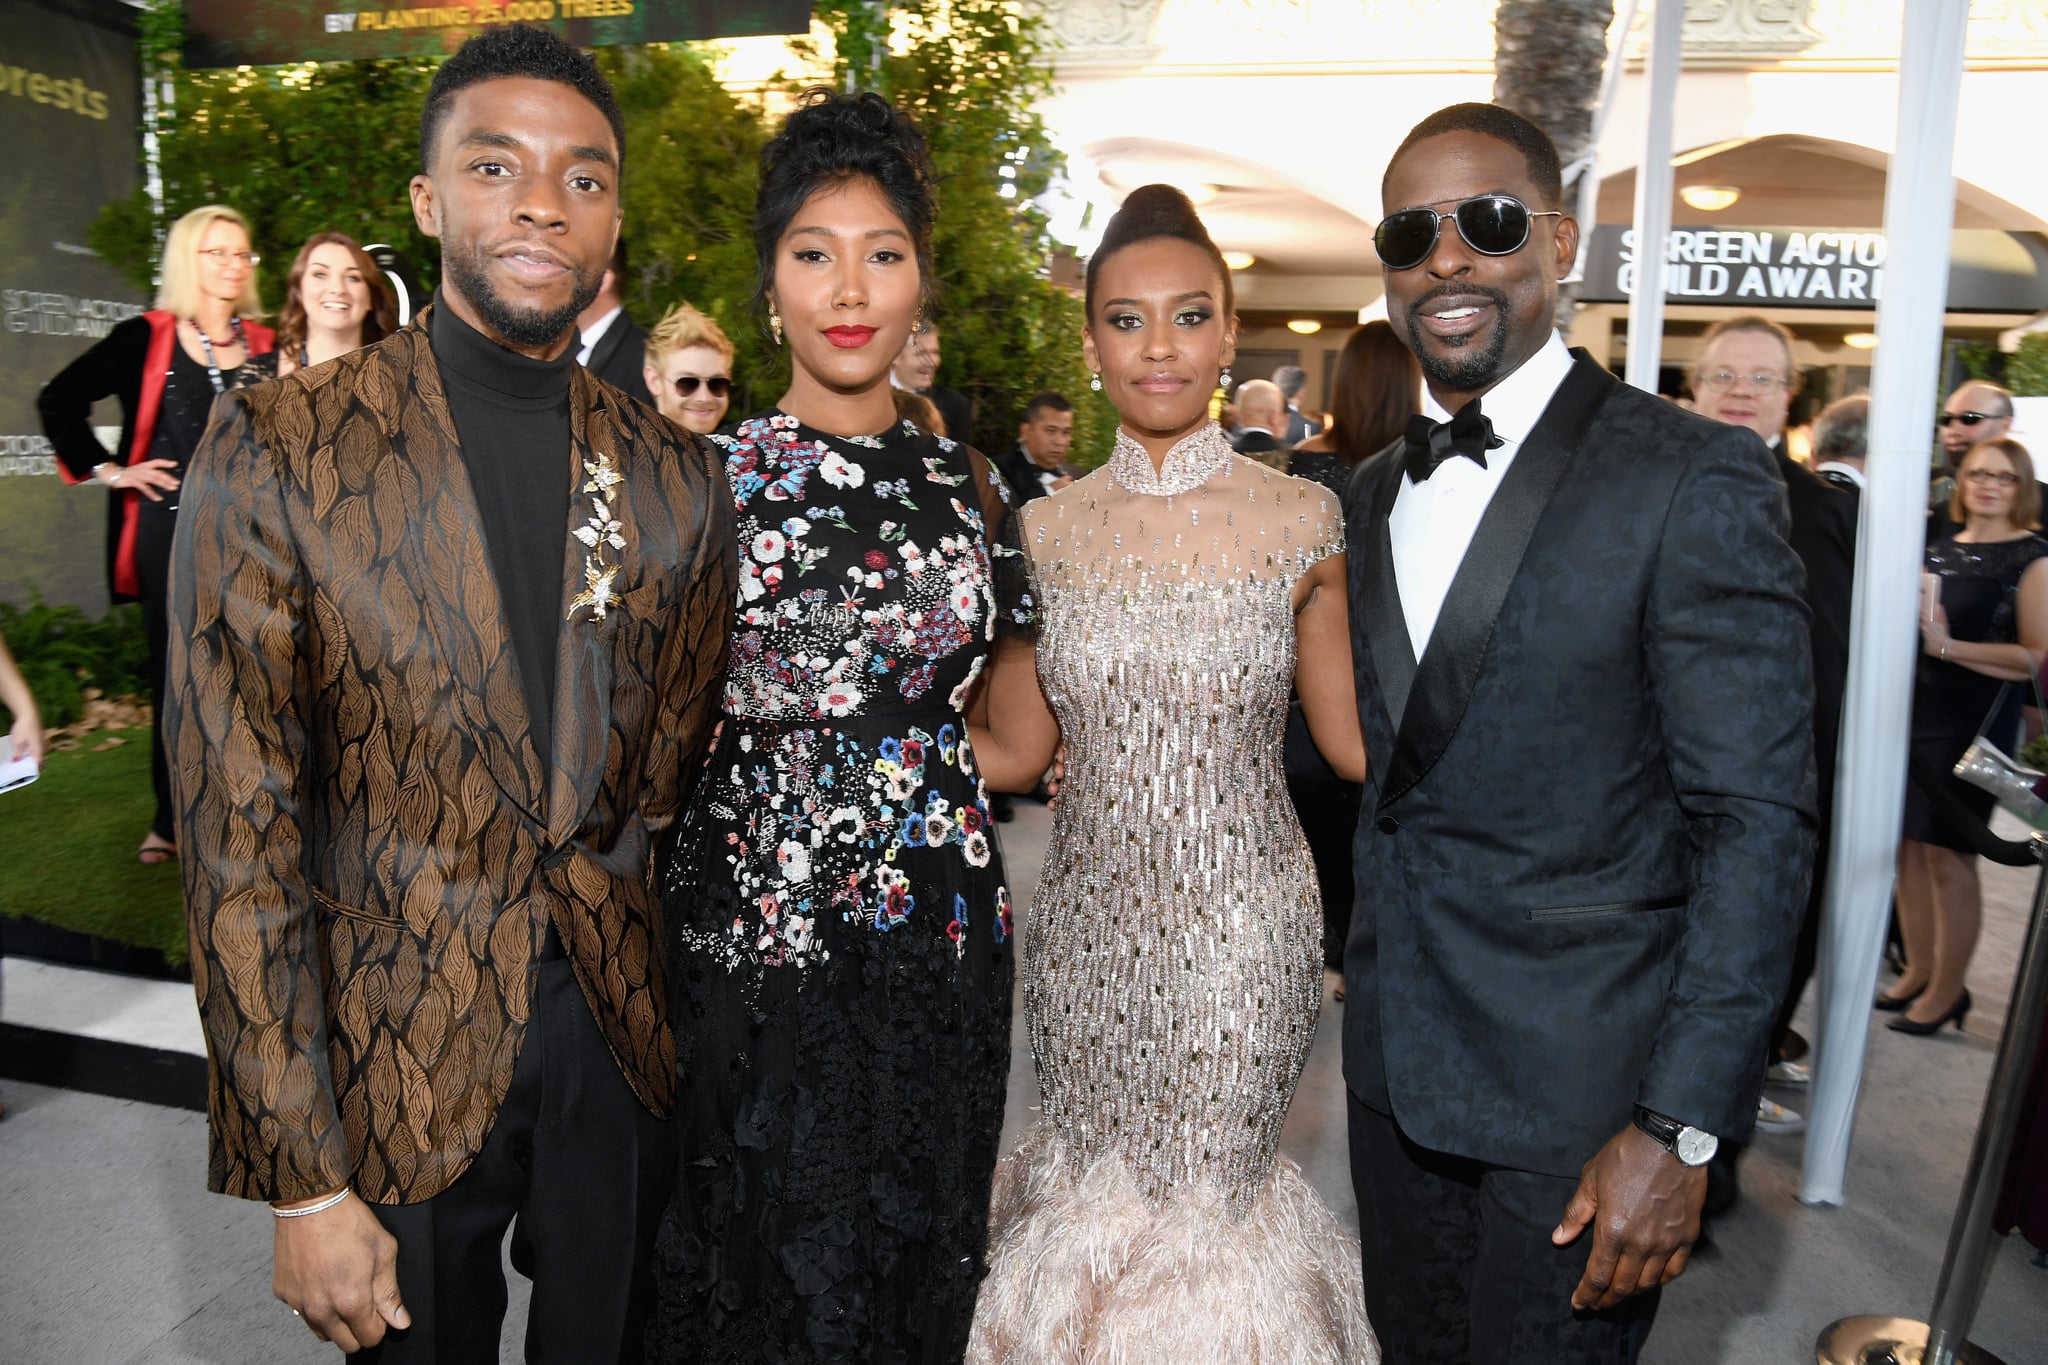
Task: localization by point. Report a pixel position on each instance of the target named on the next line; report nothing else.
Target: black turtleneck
(512, 418)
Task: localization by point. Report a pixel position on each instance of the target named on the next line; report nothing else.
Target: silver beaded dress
(1172, 959)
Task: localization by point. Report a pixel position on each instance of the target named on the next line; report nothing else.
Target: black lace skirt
(844, 1056)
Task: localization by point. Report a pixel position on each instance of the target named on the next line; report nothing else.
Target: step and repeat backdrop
(69, 119)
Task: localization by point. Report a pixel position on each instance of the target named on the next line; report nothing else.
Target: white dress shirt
(1847, 471)
(1432, 522)
(594, 333)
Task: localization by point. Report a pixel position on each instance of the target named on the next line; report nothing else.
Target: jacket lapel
(1449, 668)
(583, 657)
(1386, 628)
(452, 575)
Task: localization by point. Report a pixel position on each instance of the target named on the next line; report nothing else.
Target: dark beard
(1460, 368)
(520, 328)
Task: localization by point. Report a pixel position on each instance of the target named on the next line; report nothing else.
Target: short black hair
(830, 139)
(1148, 214)
(516, 50)
(1046, 400)
(1496, 121)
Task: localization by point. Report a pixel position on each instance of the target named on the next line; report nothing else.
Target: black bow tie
(1428, 444)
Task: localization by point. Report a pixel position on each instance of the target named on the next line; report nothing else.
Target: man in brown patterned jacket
(450, 618)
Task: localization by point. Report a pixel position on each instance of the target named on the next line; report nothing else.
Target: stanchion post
(1944, 1338)
(1971, 1240)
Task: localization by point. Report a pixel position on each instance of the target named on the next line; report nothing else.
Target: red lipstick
(848, 337)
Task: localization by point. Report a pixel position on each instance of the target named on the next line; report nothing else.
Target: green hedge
(62, 652)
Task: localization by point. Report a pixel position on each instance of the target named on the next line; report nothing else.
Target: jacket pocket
(1569, 912)
(335, 907)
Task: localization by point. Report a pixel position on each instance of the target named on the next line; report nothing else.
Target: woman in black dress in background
(839, 965)
(166, 367)
(1377, 387)
(1980, 650)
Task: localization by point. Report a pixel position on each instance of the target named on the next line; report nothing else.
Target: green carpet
(67, 849)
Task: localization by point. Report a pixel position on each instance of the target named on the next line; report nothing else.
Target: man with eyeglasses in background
(1745, 376)
(1978, 410)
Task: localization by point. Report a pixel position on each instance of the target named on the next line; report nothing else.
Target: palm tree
(1547, 60)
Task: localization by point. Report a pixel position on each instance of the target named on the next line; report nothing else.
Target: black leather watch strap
(1664, 1130)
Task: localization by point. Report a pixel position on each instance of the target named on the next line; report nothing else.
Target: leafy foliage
(317, 147)
(61, 652)
(298, 149)
(692, 165)
(2026, 370)
(970, 72)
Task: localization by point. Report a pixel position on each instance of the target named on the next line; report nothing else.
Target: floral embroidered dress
(839, 926)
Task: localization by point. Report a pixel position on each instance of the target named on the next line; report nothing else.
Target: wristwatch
(1690, 1145)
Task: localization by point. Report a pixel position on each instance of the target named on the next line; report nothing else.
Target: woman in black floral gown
(839, 925)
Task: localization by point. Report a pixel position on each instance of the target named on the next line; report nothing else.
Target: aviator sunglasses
(1491, 224)
(1968, 419)
(719, 385)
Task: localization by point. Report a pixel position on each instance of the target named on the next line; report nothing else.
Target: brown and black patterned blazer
(371, 845)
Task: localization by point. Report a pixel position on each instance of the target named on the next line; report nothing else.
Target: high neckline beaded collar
(1192, 462)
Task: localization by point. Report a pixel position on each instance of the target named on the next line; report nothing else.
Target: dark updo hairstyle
(1149, 213)
(829, 140)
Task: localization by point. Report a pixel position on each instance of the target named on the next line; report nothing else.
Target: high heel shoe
(1892, 1004)
(1955, 1014)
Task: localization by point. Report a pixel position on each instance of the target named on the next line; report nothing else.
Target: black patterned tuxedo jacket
(372, 846)
(1588, 828)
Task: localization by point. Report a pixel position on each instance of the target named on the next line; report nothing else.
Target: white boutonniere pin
(600, 535)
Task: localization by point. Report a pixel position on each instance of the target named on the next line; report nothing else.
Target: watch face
(1694, 1147)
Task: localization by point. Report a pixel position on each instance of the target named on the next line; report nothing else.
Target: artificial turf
(67, 848)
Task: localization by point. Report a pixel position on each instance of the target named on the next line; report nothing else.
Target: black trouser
(1459, 1267)
(579, 1170)
(1328, 811)
(1806, 949)
(154, 524)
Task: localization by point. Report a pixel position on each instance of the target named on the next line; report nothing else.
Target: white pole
(1653, 195)
(1919, 211)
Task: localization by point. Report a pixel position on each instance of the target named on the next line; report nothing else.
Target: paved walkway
(112, 1251)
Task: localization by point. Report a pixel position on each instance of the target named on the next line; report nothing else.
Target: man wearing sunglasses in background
(1978, 410)
(1581, 859)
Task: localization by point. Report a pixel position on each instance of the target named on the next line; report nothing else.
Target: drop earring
(775, 325)
(1095, 382)
(1223, 380)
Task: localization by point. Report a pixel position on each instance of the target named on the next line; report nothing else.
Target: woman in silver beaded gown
(1172, 958)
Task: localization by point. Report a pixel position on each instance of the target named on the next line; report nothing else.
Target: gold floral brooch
(601, 536)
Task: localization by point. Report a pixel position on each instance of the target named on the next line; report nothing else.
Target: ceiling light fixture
(1862, 341)
(1239, 260)
(1307, 327)
(1710, 198)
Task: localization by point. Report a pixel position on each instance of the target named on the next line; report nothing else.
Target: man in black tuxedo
(608, 342)
(1038, 465)
(1580, 859)
(917, 369)
(1745, 375)
(1291, 380)
(1262, 418)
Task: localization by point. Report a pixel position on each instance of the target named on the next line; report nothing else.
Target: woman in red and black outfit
(166, 366)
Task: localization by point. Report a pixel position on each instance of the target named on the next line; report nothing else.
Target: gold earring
(775, 325)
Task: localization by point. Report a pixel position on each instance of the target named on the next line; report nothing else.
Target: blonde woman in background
(166, 366)
(689, 369)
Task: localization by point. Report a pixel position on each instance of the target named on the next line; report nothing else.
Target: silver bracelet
(329, 1202)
